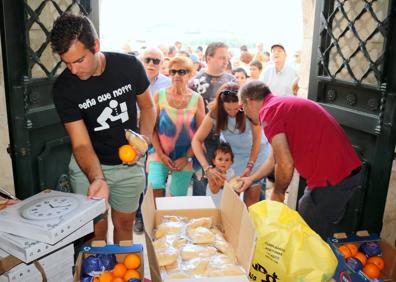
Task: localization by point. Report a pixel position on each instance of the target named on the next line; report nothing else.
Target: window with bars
(40, 15)
(354, 45)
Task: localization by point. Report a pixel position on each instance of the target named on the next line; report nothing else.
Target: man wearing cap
(279, 76)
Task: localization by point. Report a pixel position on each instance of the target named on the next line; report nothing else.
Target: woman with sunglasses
(180, 112)
(248, 143)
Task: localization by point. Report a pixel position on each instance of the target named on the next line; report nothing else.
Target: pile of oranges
(122, 272)
(372, 265)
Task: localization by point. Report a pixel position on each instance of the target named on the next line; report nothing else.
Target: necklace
(179, 100)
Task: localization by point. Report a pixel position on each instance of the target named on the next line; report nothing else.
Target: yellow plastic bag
(287, 249)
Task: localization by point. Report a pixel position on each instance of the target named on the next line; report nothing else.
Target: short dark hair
(225, 148)
(243, 48)
(257, 64)
(254, 90)
(69, 28)
(212, 47)
(242, 70)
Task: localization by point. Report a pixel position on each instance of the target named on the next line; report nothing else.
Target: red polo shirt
(321, 151)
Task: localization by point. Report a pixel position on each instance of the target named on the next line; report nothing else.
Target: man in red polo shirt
(304, 136)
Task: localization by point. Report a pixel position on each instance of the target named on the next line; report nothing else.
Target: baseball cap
(278, 45)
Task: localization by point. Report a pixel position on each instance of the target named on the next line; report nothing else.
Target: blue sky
(158, 21)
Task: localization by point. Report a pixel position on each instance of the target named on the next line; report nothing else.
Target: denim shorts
(126, 183)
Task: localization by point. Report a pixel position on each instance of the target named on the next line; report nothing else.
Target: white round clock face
(49, 208)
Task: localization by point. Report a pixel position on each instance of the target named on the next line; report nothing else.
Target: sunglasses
(154, 60)
(229, 96)
(229, 92)
(179, 72)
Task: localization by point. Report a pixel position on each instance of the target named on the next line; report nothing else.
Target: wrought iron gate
(353, 76)
(39, 149)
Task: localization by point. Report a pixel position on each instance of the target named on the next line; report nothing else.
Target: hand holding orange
(126, 153)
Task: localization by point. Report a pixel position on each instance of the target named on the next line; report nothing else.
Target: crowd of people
(207, 118)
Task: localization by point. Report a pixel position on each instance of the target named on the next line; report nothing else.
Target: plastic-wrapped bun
(137, 141)
(225, 248)
(233, 183)
(196, 266)
(201, 235)
(169, 228)
(191, 251)
(226, 270)
(167, 256)
(201, 221)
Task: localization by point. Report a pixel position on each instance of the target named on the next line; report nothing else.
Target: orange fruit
(126, 153)
(345, 251)
(96, 279)
(131, 273)
(132, 261)
(105, 277)
(119, 270)
(362, 257)
(117, 279)
(353, 248)
(371, 270)
(378, 261)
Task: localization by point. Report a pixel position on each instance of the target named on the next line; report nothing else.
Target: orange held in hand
(371, 270)
(126, 153)
(132, 261)
(378, 261)
(131, 273)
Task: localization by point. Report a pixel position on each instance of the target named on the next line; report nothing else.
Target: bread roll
(136, 141)
(191, 251)
(233, 183)
(167, 256)
(201, 235)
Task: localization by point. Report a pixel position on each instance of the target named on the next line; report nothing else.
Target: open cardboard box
(345, 273)
(120, 251)
(232, 215)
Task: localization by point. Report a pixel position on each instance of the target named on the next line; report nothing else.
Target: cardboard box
(50, 216)
(232, 215)
(345, 274)
(29, 250)
(59, 261)
(183, 203)
(120, 251)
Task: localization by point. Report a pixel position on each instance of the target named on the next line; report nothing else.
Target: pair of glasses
(154, 60)
(229, 96)
(229, 92)
(179, 72)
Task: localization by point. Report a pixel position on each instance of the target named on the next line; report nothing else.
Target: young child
(222, 159)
